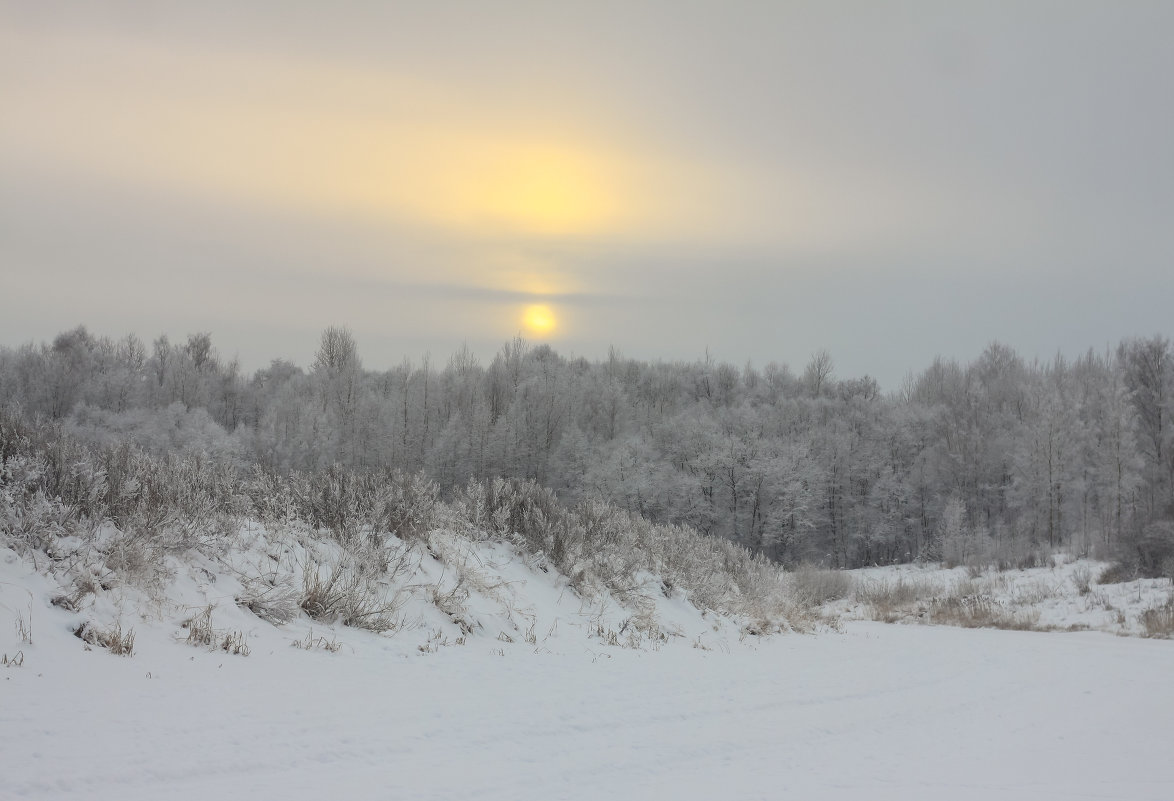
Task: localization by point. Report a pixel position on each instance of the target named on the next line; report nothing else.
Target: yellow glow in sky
(344, 142)
(537, 189)
(538, 320)
(384, 149)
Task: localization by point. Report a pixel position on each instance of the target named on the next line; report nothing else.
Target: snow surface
(704, 712)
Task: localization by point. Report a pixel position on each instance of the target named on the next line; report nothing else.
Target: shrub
(405, 505)
(1117, 573)
(137, 556)
(1154, 548)
(352, 504)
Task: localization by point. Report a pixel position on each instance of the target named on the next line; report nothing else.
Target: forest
(997, 460)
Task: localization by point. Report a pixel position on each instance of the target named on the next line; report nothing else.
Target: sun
(538, 319)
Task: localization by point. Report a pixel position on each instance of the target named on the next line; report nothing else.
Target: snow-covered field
(898, 712)
(876, 711)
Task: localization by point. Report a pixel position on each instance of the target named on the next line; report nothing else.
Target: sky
(755, 181)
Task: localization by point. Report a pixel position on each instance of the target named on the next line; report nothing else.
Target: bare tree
(818, 372)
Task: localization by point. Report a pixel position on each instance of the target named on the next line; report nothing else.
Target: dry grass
(312, 643)
(112, 639)
(890, 601)
(969, 603)
(346, 592)
(811, 586)
(200, 631)
(24, 630)
(1034, 592)
(1159, 621)
(202, 635)
(272, 602)
(452, 605)
(233, 642)
(84, 585)
(980, 612)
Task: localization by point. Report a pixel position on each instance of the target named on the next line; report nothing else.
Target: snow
(1048, 595)
(887, 712)
(702, 712)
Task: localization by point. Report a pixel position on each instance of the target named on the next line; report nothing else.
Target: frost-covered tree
(815, 467)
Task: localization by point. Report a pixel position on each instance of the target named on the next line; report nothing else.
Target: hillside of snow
(445, 591)
(878, 711)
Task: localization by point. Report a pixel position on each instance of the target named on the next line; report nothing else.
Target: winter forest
(995, 460)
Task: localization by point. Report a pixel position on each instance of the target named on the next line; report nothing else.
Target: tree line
(996, 459)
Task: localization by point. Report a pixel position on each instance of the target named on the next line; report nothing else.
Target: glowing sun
(539, 319)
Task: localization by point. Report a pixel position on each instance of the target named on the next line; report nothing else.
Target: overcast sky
(887, 180)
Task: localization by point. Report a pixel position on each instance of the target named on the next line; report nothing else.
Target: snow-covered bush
(353, 505)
